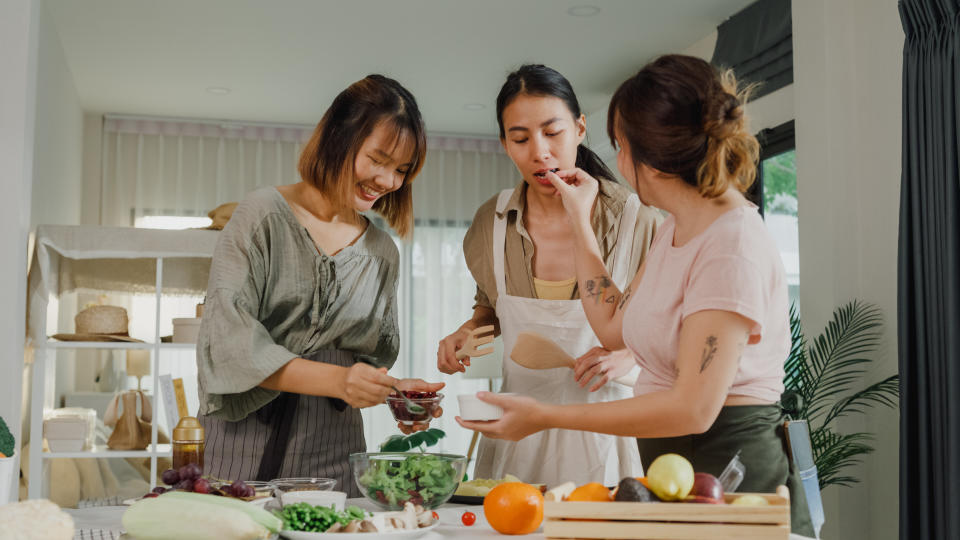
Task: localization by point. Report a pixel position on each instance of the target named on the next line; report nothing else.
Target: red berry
(436, 516)
(469, 518)
(151, 495)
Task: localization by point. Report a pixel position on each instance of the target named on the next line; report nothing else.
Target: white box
(186, 330)
(66, 434)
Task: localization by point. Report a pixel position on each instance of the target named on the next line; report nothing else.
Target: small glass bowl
(400, 413)
(286, 485)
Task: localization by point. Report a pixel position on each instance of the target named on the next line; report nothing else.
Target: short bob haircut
(327, 160)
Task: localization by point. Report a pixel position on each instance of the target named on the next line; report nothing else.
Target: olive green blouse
(273, 296)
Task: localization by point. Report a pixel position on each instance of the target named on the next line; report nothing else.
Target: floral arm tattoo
(709, 351)
(597, 289)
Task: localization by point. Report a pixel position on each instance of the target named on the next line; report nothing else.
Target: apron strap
(499, 241)
(284, 408)
(620, 269)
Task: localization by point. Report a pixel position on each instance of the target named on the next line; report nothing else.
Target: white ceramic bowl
(186, 330)
(317, 498)
(471, 408)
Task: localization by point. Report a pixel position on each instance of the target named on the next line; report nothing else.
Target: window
(777, 188)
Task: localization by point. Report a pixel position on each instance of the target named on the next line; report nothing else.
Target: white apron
(557, 455)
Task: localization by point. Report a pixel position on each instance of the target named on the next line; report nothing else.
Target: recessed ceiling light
(583, 11)
(218, 90)
(474, 106)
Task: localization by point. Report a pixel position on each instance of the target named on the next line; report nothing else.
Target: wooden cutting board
(534, 351)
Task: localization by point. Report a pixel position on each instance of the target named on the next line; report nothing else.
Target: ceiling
(283, 61)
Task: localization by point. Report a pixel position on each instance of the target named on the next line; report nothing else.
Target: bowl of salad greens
(390, 479)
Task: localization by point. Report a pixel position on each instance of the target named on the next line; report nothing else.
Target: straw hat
(100, 323)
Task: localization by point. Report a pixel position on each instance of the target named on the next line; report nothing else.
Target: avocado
(631, 490)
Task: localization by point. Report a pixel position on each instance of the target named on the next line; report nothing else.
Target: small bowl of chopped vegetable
(398, 406)
(392, 479)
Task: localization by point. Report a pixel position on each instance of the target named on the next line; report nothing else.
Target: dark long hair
(683, 117)
(328, 157)
(539, 80)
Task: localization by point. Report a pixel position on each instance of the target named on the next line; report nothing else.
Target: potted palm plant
(822, 385)
(7, 448)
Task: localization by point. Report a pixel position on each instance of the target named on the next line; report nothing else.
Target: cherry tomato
(436, 516)
(469, 518)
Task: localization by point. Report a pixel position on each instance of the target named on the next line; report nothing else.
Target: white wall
(768, 111)
(847, 90)
(57, 164)
(19, 21)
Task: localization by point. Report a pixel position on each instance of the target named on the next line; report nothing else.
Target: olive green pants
(756, 431)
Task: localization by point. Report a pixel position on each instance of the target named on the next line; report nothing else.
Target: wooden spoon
(537, 352)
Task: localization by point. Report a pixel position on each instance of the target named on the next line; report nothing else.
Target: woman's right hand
(366, 386)
(447, 361)
(578, 190)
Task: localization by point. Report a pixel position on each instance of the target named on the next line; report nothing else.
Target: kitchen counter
(104, 523)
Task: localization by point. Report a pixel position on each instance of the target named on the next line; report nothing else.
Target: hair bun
(723, 116)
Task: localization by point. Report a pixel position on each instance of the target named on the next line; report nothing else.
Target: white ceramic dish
(471, 408)
(412, 533)
(317, 498)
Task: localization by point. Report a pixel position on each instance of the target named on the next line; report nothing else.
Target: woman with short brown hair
(300, 323)
(707, 313)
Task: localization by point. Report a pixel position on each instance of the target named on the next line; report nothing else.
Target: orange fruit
(594, 492)
(514, 508)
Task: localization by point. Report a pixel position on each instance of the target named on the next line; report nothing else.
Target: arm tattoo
(709, 351)
(625, 297)
(596, 288)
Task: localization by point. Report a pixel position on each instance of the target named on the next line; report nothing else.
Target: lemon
(750, 500)
(670, 477)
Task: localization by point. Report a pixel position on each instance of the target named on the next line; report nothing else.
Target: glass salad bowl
(391, 479)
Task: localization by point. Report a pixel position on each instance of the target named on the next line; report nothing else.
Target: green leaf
(403, 443)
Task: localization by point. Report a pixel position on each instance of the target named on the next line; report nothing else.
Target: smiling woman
(300, 324)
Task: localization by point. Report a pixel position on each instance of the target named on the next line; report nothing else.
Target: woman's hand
(419, 385)
(602, 363)
(366, 386)
(522, 416)
(578, 190)
(447, 361)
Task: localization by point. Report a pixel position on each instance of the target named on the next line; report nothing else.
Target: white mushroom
(353, 526)
(367, 526)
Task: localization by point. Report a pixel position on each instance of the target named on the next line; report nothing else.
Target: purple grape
(185, 485)
(159, 490)
(190, 471)
(250, 492)
(201, 485)
(238, 489)
(170, 477)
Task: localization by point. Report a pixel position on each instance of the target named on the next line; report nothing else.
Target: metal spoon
(411, 406)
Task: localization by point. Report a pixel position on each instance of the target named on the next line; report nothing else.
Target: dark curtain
(929, 273)
(757, 43)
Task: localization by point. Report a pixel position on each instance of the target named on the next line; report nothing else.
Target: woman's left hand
(522, 416)
(419, 385)
(607, 365)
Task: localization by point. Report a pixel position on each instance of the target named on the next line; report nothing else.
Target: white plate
(412, 533)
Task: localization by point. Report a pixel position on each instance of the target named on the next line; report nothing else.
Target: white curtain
(178, 168)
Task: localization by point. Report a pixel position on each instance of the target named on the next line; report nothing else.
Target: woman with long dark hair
(519, 251)
(707, 314)
(300, 324)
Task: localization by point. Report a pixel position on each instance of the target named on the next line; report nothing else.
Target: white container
(471, 408)
(83, 415)
(317, 498)
(6, 479)
(186, 330)
(67, 434)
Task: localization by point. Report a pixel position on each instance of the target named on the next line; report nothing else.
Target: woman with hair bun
(518, 250)
(707, 314)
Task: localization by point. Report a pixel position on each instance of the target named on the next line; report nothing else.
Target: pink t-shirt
(733, 265)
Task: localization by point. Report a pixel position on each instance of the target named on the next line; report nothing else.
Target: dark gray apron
(293, 436)
(756, 431)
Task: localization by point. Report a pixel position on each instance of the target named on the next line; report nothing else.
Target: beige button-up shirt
(478, 242)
